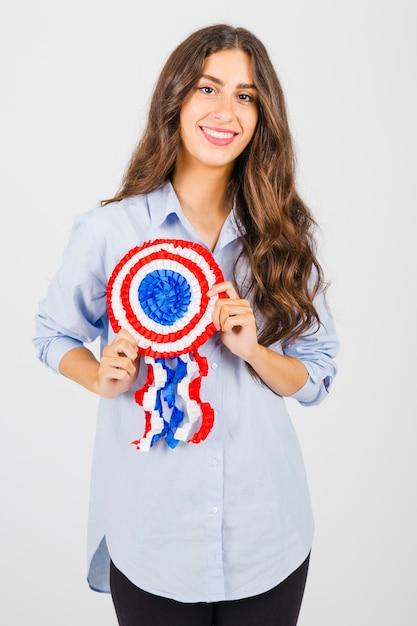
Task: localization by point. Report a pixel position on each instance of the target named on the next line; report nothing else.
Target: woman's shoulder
(115, 227)
(117, 210)
(134, 210)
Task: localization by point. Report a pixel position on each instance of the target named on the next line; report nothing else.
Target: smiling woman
(217, 122)
(221, 112)
(206, 242)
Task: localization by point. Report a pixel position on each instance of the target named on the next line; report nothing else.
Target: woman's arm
(234, 319)
(285, 375)
(109, 377)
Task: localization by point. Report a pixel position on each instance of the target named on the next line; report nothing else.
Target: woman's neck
(204, 202)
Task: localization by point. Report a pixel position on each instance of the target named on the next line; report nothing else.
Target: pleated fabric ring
(158, 292)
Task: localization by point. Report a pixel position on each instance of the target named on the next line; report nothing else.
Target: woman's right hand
(118, 366)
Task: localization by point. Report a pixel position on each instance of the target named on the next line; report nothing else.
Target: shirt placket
(214, 466)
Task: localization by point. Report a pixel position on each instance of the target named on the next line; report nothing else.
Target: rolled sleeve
(74, 309)
(51, 351)
(317, 352)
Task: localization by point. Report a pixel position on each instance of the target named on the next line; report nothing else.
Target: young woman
(217, 533)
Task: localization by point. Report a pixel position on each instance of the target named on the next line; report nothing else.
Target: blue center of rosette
(165, 296)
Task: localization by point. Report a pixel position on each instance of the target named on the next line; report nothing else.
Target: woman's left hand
(234, 319)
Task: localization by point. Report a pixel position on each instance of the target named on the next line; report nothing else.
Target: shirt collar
(163, 202)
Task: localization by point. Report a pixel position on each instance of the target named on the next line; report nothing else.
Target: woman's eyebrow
(218, 81)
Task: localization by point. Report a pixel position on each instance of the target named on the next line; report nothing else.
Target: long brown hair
(276, 226)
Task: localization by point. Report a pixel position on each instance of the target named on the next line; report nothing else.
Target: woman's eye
(246, 97)
(207, 90)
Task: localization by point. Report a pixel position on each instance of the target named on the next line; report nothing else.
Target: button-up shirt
(224, 519)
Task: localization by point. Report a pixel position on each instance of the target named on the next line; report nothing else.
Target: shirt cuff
(58, 348)
(312, 392)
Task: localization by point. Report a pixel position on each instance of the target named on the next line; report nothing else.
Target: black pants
(278, 607)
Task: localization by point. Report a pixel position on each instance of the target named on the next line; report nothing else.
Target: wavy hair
(276, 226)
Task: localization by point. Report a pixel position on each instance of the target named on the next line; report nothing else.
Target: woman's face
(218, 119)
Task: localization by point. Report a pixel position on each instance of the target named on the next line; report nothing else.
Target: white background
(76, 79)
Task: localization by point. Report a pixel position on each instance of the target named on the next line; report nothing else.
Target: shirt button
(215, 509)
(214, 366)
(215, 461)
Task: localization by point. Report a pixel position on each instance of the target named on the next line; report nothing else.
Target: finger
(118, 367)
(229, 307)
(242, 318)
(228, 317)
(226, 288)
(120, 349)
(123, 344)
(225, 308)
(125, 335)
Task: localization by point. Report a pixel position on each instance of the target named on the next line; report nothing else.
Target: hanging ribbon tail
(149, 398)
(171, 401)
(207, 412)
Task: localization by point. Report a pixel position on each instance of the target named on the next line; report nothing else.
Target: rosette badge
(158, 292)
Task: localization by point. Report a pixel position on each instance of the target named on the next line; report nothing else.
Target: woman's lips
(217, 136)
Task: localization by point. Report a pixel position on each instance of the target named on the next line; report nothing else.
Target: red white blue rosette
(158, 292)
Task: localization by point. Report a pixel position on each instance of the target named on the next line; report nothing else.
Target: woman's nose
(224, 110)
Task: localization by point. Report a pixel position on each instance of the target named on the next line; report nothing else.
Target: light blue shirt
(227, 518)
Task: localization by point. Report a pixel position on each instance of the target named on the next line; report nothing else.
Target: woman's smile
(218, 136)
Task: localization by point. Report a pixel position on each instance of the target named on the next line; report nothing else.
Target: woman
(217, 533)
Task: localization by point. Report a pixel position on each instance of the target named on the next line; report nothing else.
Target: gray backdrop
(76, 81)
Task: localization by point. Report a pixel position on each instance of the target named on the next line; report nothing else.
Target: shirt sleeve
(317, 351)
(74, 310)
